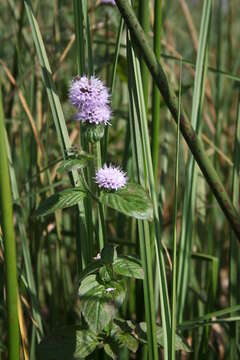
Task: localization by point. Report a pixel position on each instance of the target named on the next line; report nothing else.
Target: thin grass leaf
(10, 260)
(25, 247)
(187, 234)
(174, 257)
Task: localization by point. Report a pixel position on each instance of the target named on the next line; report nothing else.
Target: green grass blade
(209, 317)
(25, 248)
(9, 246)
(174, 257)
(113, 80)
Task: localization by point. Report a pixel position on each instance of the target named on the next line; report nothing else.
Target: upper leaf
(131, 201)
(74, 163)
(67, 343)
(128, 266)
(60, 200)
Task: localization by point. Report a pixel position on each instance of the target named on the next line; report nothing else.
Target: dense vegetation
(119, 179)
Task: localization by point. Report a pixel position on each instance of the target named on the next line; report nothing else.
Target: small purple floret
(91, 99)
(108, 2)
(111, 178)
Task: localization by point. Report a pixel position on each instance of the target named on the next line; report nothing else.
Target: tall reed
(6, 207)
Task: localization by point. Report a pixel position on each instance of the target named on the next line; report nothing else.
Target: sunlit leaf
(128, 266)
(132, 200)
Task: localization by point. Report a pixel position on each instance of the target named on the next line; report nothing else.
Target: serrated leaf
(141, 331)
(90, 269)
(73, 164)
(125, 325)
(106, 274)
(128, 341)
(128, 266)
(100, 301)
(60, 200)
(121, 332)
(131, 201)
(67, 343)
(111, 349)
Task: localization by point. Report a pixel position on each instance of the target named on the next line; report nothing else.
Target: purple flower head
(91, 98)
(111, 178)
(108, 2)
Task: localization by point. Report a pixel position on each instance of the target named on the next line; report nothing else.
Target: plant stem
(156, 94)
(9, 246)
(79, 26)
(144, 21)
(234, 249)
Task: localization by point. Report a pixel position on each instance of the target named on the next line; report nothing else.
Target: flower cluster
(111, 178)
(91, 99)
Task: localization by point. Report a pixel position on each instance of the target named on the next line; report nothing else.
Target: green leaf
(90, 269)
(100, 301)
(60, 200)
(121, 332)
(67, 343)
(125, 325)
(128, 266)
(128, 341)
(141, 332)
(131, 201)
(74, 164)
(106, 274)
(111, 348)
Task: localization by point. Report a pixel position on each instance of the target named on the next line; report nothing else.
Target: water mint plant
(126, 235)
